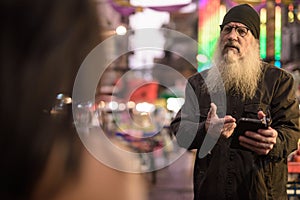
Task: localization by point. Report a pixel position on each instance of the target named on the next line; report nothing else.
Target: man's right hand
(224, 125)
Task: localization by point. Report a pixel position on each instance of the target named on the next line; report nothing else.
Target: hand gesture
(224, 125)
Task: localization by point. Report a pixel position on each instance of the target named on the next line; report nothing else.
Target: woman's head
(42, 46)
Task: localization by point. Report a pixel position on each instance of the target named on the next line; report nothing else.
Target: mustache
(231, 44)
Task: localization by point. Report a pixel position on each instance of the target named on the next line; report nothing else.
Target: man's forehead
(236, 24)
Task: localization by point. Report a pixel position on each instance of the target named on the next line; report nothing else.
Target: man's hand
(261, 142)
(224, 125)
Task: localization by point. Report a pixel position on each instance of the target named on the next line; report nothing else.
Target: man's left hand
(261, 142)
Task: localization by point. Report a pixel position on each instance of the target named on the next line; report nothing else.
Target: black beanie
(246, 15)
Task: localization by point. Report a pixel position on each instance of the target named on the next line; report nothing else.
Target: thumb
(261, 114)
(212, 111)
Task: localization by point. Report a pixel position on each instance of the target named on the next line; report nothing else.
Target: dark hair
(42, 46)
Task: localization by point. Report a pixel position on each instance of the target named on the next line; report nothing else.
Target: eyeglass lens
(241, 31)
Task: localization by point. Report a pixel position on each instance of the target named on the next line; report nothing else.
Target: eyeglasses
(240, 30)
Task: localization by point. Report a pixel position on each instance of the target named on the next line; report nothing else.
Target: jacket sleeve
(285, 118)
(187, 126)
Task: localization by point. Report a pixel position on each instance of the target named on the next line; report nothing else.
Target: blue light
(277, 63)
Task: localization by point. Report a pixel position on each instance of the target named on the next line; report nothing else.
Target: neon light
(263, 33)
(277, 63)
(263, 15)
(277, 47)
(263, 41)
(208, 30)
(298, 13)
(290, 17)
(222, 13)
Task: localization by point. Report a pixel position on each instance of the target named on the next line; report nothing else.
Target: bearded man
(239, 85)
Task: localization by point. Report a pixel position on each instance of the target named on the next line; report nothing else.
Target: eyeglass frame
(236, 29)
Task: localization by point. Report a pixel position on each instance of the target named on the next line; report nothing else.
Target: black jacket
(227, 173)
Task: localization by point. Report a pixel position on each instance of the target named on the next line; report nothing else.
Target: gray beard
(230, 73)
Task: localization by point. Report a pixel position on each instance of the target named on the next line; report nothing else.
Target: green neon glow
(208, 31)
(263, 41)
(277, 47)
(208, 36)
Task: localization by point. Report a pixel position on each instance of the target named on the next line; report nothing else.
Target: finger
(258, 150)
(260, 114)
(263, 143)
(228, 130)
(213, 110)
(270, 132)
(229, 119)
(262, 135)
(256, 144)
(232, 126)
